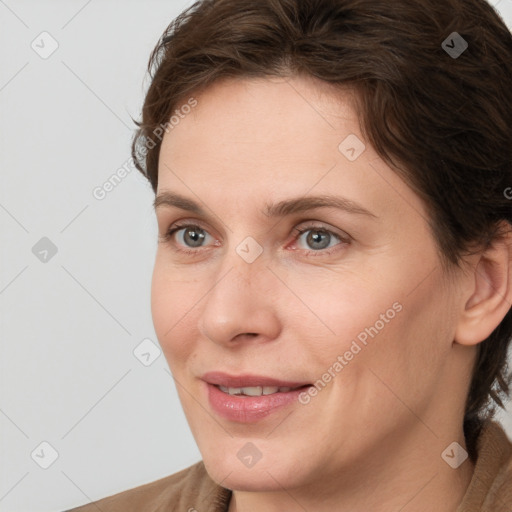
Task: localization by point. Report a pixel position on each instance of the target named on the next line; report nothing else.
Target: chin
(247, 480)
(263, 476)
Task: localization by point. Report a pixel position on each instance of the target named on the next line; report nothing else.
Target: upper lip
(247, 380)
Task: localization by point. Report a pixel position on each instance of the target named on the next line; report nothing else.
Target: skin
(372, 439)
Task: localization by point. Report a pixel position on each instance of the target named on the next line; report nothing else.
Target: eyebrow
(280, 209)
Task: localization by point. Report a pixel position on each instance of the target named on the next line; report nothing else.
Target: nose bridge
(238, 301)
(244, 266)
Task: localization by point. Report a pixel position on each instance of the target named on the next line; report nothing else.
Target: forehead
(269, 139)
(264, 116)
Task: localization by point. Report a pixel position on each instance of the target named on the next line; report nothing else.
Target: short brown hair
(442, 120)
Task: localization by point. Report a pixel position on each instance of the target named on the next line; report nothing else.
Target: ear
(489, 292)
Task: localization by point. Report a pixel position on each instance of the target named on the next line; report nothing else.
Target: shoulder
(186, 491)
(490, 489)
(499, 497)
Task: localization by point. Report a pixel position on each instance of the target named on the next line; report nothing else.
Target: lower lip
(249, 409)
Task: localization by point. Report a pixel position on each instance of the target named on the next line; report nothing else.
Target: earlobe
(490, 292)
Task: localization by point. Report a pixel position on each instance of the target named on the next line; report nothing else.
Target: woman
(332, 287)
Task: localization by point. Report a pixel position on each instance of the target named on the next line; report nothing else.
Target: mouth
(250, 398)
(259, 390)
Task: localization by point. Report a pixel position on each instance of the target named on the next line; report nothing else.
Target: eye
(187, 235)
(188, 238)
(319, 238)
(192, 236)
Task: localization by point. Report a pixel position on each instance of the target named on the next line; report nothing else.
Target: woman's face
(357, 304)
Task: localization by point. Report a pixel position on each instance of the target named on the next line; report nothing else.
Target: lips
(242, 398)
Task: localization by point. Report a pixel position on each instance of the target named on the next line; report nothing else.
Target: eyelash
(168, 236)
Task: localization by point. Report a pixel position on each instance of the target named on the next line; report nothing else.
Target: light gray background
(69, 325)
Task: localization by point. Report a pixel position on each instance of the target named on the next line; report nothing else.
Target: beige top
(192, 490)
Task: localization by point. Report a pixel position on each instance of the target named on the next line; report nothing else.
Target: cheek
(342, 305)
(409, 354)
(172, 303)
(382, 321)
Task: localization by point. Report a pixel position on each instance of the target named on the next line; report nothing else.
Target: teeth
(254, 390)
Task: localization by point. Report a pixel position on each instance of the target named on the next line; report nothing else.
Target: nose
(241, 304)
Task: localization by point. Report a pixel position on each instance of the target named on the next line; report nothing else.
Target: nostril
(249, 334)
(246, 334)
